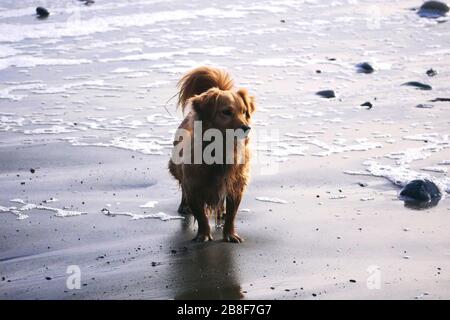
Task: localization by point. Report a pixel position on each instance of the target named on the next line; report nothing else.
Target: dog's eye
(227, 112)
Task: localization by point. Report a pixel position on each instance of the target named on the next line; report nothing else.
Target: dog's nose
(245, 128)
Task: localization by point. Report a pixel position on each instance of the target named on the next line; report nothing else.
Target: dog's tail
(200, 80)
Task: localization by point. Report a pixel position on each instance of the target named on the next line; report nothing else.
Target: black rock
(48, 278)
(362, 184)
(420, 190)
(367, 104)
(365, 67)
(42, 12)
(418, 85)
(431, 72)
(87, 2)
(32, 170)
(433, 9)
(326, 94)
(441, 100)
(424, 106)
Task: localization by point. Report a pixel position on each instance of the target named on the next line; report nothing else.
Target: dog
(213, 187)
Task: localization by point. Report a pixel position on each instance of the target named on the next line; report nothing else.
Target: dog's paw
(203, 237)
(232, 237)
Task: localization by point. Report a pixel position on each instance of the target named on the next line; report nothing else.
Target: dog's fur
(218, 105)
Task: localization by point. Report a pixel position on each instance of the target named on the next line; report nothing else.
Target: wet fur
(205, 187)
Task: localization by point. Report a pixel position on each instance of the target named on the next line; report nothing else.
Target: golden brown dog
(216, 105)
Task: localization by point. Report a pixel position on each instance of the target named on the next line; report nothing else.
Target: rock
(87, 2)
(32, 170)
(48, 278)
(42, 12)
(418, 85)
(424, 106)
(367, 104)
(431, 72)
(420, 190)
(283, 21)
(365, 67)
(326, 94)
(441, 100)
(433, 9)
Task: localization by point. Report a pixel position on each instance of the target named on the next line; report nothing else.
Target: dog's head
(224, 109)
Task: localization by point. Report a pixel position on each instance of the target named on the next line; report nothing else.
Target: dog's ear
(248, 100)
(205, 105)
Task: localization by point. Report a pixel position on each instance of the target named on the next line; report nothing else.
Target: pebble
(433, 9)
(42, 12)
(367, 104)
(326, 94)
(421, 190)
(418, 85)
(424, 106)
(431, 72)
(364, 67)
(441, 100)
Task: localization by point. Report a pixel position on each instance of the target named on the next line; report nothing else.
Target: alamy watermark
(74, 279)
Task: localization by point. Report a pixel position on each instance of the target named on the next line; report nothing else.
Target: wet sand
(97, 136)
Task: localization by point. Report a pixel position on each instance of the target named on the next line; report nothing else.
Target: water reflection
(207, 270)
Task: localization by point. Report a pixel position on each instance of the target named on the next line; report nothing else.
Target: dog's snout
(245, 128)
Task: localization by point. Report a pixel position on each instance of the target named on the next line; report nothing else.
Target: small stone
(441, 100)
(42, 12)
(352, 280)
(365, 67)
(367, 104)
(48, 278)
(421, 190)
(431, 72)
(433, 9)
(328, 94)
(424, 106)
(418, 85)
(362, 184)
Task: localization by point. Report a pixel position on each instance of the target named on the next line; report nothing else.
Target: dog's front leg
(204, 231)
(229, 231)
